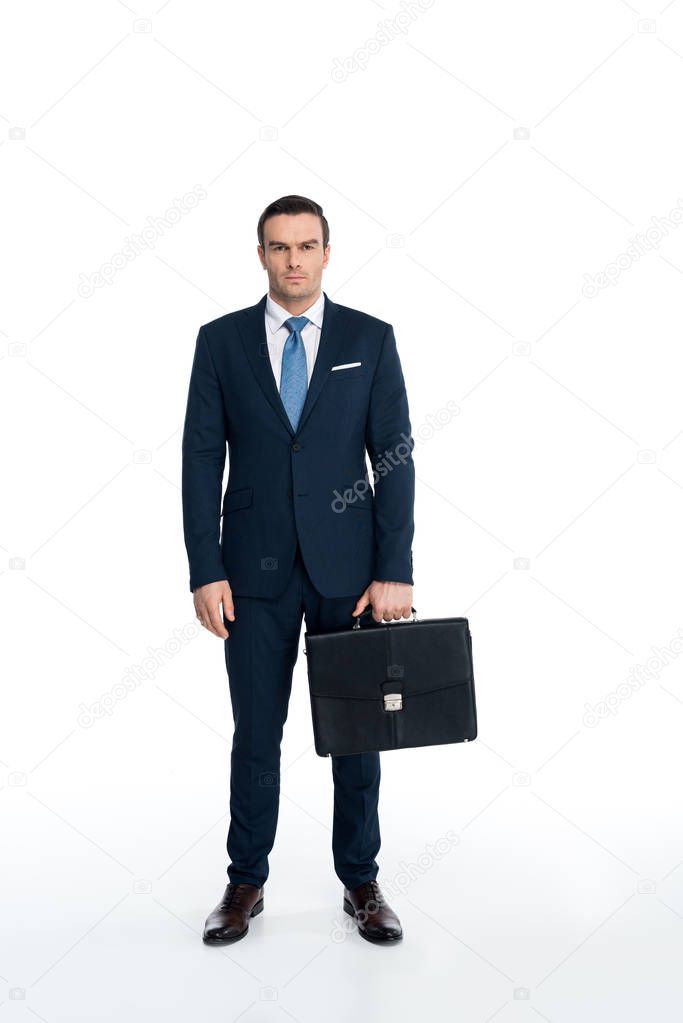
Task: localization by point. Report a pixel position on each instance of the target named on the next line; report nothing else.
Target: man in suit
(299, 387)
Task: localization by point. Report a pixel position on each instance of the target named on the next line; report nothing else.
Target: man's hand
(390, 601)
(207, 604)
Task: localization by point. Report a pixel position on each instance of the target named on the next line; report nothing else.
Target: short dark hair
(293, 204)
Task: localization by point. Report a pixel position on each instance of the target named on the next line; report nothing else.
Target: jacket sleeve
(203, 461)
(389, 443)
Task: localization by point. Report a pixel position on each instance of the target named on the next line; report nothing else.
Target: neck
(293, 305)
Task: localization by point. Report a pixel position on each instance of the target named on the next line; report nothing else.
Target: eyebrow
(311, 241)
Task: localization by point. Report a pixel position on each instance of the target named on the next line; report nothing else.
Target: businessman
(300, 388)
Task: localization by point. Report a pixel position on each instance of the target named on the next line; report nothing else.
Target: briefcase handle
(369, 608)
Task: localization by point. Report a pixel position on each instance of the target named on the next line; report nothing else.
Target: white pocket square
(346, 365)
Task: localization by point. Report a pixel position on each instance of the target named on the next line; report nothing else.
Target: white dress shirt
(277, 333)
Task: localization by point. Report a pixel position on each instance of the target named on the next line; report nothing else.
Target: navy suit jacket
(309, 484)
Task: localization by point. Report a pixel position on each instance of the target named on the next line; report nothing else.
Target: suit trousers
(260, 653)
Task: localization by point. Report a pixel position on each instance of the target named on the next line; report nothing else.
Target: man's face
(293, 255)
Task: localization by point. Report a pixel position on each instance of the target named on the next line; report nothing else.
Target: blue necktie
(294, 375)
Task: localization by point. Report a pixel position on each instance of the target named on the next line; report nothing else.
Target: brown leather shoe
(229, 921)
(376, 920)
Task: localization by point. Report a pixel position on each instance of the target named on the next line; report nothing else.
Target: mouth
(295, 277)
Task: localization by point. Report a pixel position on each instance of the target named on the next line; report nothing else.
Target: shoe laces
(373, 891)
(233, 894)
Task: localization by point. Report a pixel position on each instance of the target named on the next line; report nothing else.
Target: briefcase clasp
(393, 701)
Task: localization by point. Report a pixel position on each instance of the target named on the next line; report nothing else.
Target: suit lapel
(252, 330)
(331, 337)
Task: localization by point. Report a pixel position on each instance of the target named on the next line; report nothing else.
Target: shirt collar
(276, 314)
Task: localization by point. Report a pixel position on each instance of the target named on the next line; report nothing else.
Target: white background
(474, 169)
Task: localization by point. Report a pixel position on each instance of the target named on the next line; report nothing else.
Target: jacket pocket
(235, 499)
(352, 373)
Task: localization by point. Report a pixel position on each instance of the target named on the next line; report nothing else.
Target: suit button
(296, 446)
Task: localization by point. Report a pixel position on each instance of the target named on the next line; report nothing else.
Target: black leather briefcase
(381, 685)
